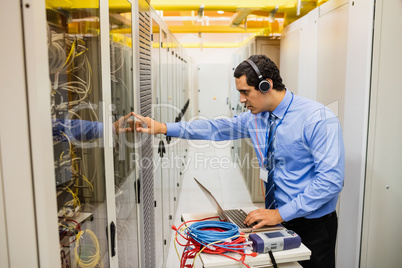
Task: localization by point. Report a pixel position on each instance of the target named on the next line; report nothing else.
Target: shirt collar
(281, 108)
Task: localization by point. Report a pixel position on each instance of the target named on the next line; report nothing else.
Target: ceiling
(262, 17)
(212, 20)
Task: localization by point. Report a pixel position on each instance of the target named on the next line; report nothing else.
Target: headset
(264, 85)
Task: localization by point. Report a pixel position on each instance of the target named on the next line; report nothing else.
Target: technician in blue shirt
(308, 150)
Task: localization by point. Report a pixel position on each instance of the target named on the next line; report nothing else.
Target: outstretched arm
(149, 126)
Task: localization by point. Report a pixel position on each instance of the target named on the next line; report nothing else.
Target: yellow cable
(175, 247)
(82, 52)
(70, 228)
(76, 201)
(92, 260)
(87, 181)
(69, 54)
(74, 165)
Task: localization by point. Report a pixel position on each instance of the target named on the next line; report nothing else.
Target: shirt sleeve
(79, 130)
(323, 138)
(216, 130)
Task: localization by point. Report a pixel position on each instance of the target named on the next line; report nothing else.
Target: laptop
(235, 216)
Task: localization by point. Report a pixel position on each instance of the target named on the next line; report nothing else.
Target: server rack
(88, 200)
(169, 106)
(158, 144)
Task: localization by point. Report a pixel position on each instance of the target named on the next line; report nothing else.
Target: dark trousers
(319, 235)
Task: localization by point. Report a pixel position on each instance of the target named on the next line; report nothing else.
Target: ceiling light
(220, 11)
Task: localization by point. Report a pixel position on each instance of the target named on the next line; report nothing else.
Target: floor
(211, 163)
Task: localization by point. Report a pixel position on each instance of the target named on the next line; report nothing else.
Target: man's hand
(265, 216)
(149, 126)
(124, 124)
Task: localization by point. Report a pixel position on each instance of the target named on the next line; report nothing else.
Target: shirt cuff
(287, 212)
(173, 129)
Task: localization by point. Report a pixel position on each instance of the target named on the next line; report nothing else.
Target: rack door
(124, 153)
(75, 79)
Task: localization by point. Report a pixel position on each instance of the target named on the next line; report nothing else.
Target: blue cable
(205, 237)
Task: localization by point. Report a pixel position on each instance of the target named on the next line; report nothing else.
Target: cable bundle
(87, 255)
(212, 237)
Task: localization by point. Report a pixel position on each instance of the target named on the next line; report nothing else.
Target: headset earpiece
(264, 85)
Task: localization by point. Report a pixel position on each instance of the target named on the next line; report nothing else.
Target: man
(299, 146)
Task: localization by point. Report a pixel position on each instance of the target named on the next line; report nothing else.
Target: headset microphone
(264, 85)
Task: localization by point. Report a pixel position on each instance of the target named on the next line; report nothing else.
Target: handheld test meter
(275, 241)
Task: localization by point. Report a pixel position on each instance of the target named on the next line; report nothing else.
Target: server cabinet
(382, 194)
(17, 210)
(175, 116)
(166, 158)
(125, 153)
(167, 75)
(158, 144)
(79, 71)
(173, 143)
(175, 113)
(357, 102)
(170, 90)
(78, 87)
(147, 212)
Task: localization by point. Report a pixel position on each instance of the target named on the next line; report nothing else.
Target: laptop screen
(213, 201)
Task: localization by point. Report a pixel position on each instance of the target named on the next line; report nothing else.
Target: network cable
(88, 256)
(212, 237)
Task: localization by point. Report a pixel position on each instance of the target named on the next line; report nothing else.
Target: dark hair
(267, 68)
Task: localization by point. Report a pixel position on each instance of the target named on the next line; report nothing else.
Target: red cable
(78, 225)
(192, 247)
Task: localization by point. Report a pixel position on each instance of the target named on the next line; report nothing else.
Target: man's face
(253, 99)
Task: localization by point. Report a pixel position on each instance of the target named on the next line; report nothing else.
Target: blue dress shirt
(309, 152)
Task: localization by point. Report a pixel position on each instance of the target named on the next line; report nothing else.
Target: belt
(304, 221)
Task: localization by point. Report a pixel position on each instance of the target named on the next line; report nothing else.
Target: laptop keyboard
(237, 216)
